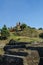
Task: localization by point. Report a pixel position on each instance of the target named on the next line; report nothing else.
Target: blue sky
(25, 11)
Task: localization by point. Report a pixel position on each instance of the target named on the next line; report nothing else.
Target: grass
(2, 44)
(25, 39)
(19, 39)
(1, 51)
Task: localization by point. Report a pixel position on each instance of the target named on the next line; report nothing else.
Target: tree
(5, 32)
(34, 28)
(23, 26)
(40, 28)
(0, 30)
(29, 27)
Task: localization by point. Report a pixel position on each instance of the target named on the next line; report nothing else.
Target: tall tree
(5, 32)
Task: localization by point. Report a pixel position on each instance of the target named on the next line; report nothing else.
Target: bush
(41, 35)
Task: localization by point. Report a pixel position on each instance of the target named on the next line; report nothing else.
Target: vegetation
(25, 38)
(22, 32)
(23, 26)
(41, 35)
(5, 32)
(28, 32)
(40, 28)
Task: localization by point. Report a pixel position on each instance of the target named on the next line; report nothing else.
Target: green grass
(1, 51)
(25, 39)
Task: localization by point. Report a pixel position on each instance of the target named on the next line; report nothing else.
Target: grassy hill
(27, 35)
(29, 32)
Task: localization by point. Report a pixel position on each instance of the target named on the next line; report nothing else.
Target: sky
(25, 11)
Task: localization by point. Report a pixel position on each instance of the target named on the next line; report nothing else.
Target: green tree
(5, 32)
(34, 28)
(40, 28)
(23, 26)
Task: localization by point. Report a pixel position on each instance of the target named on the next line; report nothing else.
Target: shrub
(41, 35)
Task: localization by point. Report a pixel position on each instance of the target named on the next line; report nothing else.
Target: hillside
(29, 32)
